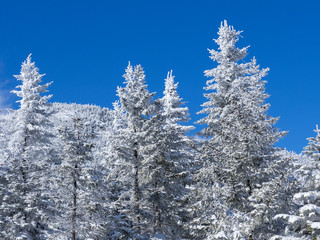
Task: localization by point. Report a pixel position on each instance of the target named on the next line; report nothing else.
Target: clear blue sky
(85, 46)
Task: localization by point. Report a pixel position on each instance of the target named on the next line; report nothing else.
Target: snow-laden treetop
(30, 89)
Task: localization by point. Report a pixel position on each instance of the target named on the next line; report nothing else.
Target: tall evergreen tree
(166, 159)
(313, 148)
(136, 101)
(303, 221)
(241, 134)
(26, 205)
(119, 184)
(76, 183)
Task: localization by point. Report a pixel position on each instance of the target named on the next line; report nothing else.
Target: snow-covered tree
(166, 159)
(76, 184)
(6, 128)
(303, 222)
(241, 134)
(211, 217)
(118, 183)
(136, 102)
(313, 148)
(26, 205)
(274, 195)
(94, 221)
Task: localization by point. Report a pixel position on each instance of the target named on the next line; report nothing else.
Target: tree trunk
(23, 173)
(74, 212)
(137, 192)
(156, 209)
(136, 185)
(157, 217)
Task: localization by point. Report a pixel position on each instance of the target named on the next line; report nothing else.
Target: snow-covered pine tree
(118, 183)
(95, 218)
(275, 195)
(303, 222)
(313, 148)
(211, 217)
(241, 134)
(166, 159)
(136, 102)
(26, 206)
(76, 187)
(6, 126)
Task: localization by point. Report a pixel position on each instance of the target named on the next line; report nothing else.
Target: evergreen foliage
(25, 205)
(241, 135)
(71, 171)
(303, 221)
(166, 160)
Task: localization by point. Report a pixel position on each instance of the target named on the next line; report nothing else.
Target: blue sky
(85, 46)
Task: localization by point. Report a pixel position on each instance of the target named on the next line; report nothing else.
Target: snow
(289, 218)
(220, 235)
(307, 197)
(309, 208)
(315, 225)
(278, 237)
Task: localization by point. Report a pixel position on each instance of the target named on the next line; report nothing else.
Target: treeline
(70, 171)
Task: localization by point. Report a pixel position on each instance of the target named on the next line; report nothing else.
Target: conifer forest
(83, 172)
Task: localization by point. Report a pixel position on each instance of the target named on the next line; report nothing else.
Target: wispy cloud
(2, 104)
(5, 95)
(4, 99)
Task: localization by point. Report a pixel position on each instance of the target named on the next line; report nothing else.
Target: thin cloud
(4, 99)
(5, 94)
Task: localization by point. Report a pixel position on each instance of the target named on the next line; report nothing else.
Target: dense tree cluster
(70, 171)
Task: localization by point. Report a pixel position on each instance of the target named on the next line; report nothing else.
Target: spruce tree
(27, 204)
(166, 159)
(136, 102)
(76, 188)
(118, 177)
(303, 221)
(241, 136)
